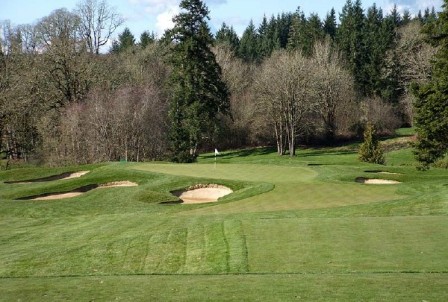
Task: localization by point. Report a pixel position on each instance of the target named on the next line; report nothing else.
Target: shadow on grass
(242, 153)
(43, 179)
(82, 189)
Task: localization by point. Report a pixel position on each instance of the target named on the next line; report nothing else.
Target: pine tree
(370, 150)
(350, 39)
(198, 94)
(227, 35)
(431, 105)
(125, 41)
(330, 25)
(407, 18)
(147, 38)
(264, 41)
(297, 38)
(248, 49)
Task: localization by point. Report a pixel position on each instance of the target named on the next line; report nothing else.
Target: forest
(292, 80)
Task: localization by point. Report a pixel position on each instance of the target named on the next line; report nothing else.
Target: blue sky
(155, 15)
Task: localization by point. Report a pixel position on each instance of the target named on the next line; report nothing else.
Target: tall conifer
(198, 94)
(431, 116)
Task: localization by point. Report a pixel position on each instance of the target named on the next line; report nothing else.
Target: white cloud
(412, 5)
(423, 4)
(165, 19)
(163, 11)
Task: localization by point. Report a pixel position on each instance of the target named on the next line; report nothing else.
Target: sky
(156, 15)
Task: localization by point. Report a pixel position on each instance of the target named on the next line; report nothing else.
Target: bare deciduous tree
(284, 91)
(98, 22)
(333, 86)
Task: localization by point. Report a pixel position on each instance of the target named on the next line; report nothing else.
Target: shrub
(371, 150)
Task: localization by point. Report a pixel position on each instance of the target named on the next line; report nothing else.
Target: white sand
(118, 184)
(59, 196)
(380, 182)
(76, 175)
(389, 173)
(204, 195)
(74, 194)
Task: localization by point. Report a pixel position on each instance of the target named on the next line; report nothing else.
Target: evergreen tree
(264, 41)
(431, 105)
(284, 22)
(248, 49)
(227, 35)
(395, 17)
(419, 16)
(147, 38)
(125, 41)
(198, 94)
(297, 38)
(313, 32)
(406, 17)
(390, 89)
(370, 150)
(330, 25)
(350, 39)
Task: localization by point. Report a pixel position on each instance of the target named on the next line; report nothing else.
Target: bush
(371, 150)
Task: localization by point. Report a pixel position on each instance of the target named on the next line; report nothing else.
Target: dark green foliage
(370, 150)
(248, 49)
(198, 94)
(147, 38)
(125, 41)
(351, 41)
(305, 32)
(406, 18)
(227, 35)
(431, 105)
(330, 25)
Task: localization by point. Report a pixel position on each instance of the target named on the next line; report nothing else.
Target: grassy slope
(314, 234)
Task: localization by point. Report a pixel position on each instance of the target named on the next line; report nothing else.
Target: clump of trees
(432, 100)
(293, 79)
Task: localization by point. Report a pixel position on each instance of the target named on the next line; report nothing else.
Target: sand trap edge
(80, 191)
(62, 176)
(202, 193)
(376, 181)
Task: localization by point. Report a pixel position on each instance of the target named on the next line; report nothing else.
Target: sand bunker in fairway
(369, 181)
(63, 176)
(80, 191)
(116, 184)
(202, 193)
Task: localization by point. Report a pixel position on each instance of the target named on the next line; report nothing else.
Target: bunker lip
(63, 176)
(373, 181)
(79, 191)
(382, 172)
(202, 193)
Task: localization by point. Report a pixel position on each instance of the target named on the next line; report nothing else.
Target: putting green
(295, 187)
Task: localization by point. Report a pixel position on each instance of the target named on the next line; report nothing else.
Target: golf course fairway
(293, 229)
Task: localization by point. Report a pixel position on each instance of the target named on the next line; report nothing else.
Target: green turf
(294, 229)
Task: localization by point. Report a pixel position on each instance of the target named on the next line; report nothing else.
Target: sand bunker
(369, 181)
(202, 193)
(58, 196)
(63, 176)
(116, 184)
(76, 175)
(80, 191)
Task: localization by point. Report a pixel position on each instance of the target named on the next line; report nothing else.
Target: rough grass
(291, 231)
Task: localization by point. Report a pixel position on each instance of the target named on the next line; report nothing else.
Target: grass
(295, 229)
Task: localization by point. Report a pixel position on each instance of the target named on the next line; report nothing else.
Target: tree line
(293, 79)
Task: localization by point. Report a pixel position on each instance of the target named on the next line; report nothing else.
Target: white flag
(216, 152)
